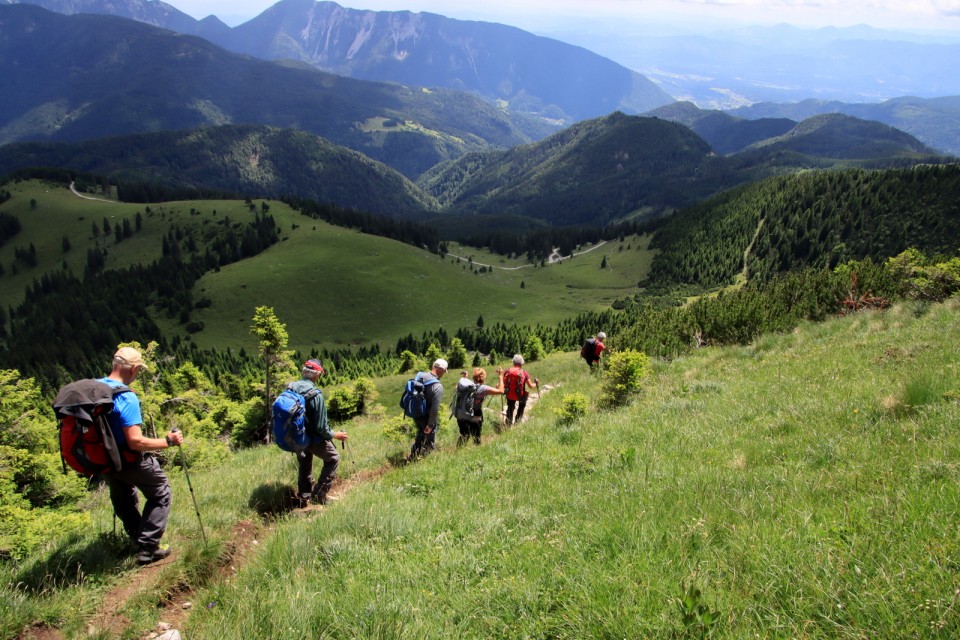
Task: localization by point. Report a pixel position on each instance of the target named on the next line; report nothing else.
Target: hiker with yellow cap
(140, 472)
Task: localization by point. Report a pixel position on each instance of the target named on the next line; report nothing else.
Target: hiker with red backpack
(517, 381)
(138, 471)
(592, 349)
(320, 438)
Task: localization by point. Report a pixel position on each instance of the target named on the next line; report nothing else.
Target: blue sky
(528, 14)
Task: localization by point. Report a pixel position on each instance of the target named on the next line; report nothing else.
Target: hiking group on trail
(102, 432)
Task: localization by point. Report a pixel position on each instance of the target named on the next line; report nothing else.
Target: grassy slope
(356, 288)
(807, 484)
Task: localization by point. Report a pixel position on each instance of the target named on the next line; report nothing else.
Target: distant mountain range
(525, 73)
(252, 160)
(933, 121)
(86, 76)
(595, 172)
(728, 133)
(727, 68)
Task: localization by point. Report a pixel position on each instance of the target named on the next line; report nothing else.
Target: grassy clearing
(332, 287)
(804, 486)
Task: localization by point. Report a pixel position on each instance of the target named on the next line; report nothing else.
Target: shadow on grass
(274, 499)
(79, 559)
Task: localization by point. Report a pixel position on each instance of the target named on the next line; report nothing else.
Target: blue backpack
(413, 401)
(289, 420)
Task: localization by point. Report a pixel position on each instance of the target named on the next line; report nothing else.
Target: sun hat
(130, 357)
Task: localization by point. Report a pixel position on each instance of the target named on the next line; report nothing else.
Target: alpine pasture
(331, 286)
(802, 486)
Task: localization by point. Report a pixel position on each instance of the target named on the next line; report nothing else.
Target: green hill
(263, 162)
(805, 483)
(817, 219)
(332, 286)
(619, 166)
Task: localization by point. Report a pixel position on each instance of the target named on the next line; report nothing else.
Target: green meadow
(804, 486)
(332, 287)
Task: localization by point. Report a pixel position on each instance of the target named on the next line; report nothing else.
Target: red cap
(313, 365)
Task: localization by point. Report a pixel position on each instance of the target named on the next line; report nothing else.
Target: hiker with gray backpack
(467, 405)
(301, 426)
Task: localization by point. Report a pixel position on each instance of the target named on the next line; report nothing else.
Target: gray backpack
(462, 408)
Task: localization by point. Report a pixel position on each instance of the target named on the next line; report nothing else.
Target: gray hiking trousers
(145, 474)
(326, 451)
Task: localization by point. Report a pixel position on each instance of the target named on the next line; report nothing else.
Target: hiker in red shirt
(592, 349)
(517, 381)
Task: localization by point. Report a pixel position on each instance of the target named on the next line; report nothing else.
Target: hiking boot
(146, 556)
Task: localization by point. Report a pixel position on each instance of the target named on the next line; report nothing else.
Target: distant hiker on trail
(139, 471)
(470, 396)
(321, 439)
(425, 441)
(517, 381)
(592, 349)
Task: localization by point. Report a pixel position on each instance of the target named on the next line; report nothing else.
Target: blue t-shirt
(126, 412)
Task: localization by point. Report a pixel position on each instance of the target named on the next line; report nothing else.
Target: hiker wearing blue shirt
(321, 439)
(425, 441)
(139, 471)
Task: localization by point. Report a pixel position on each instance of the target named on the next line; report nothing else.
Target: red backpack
(515, 381)
(87, 443)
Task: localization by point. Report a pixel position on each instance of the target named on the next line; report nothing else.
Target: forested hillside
(261, 162)
(816, 219)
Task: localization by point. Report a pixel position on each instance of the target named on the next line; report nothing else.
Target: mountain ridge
(528, 73)
(159, 80)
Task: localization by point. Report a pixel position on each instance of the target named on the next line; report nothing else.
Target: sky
(941, 15)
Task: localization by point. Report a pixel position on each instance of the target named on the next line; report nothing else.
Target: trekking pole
(183, 461)
(345, 444)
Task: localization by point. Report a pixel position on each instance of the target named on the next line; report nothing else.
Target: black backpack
(589, 349)
(87, 443)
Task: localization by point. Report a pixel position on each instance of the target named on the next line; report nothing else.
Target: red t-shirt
(515, 380)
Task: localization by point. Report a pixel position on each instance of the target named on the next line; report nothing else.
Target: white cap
(602, 335)
(440, 363)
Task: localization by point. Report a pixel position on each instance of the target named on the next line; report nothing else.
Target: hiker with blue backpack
(421, 401)
(317, 440)
(468, 403)
(138, 471)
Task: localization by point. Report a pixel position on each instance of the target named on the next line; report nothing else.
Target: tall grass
(774, 486)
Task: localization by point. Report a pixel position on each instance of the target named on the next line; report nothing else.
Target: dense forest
(813, 219)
